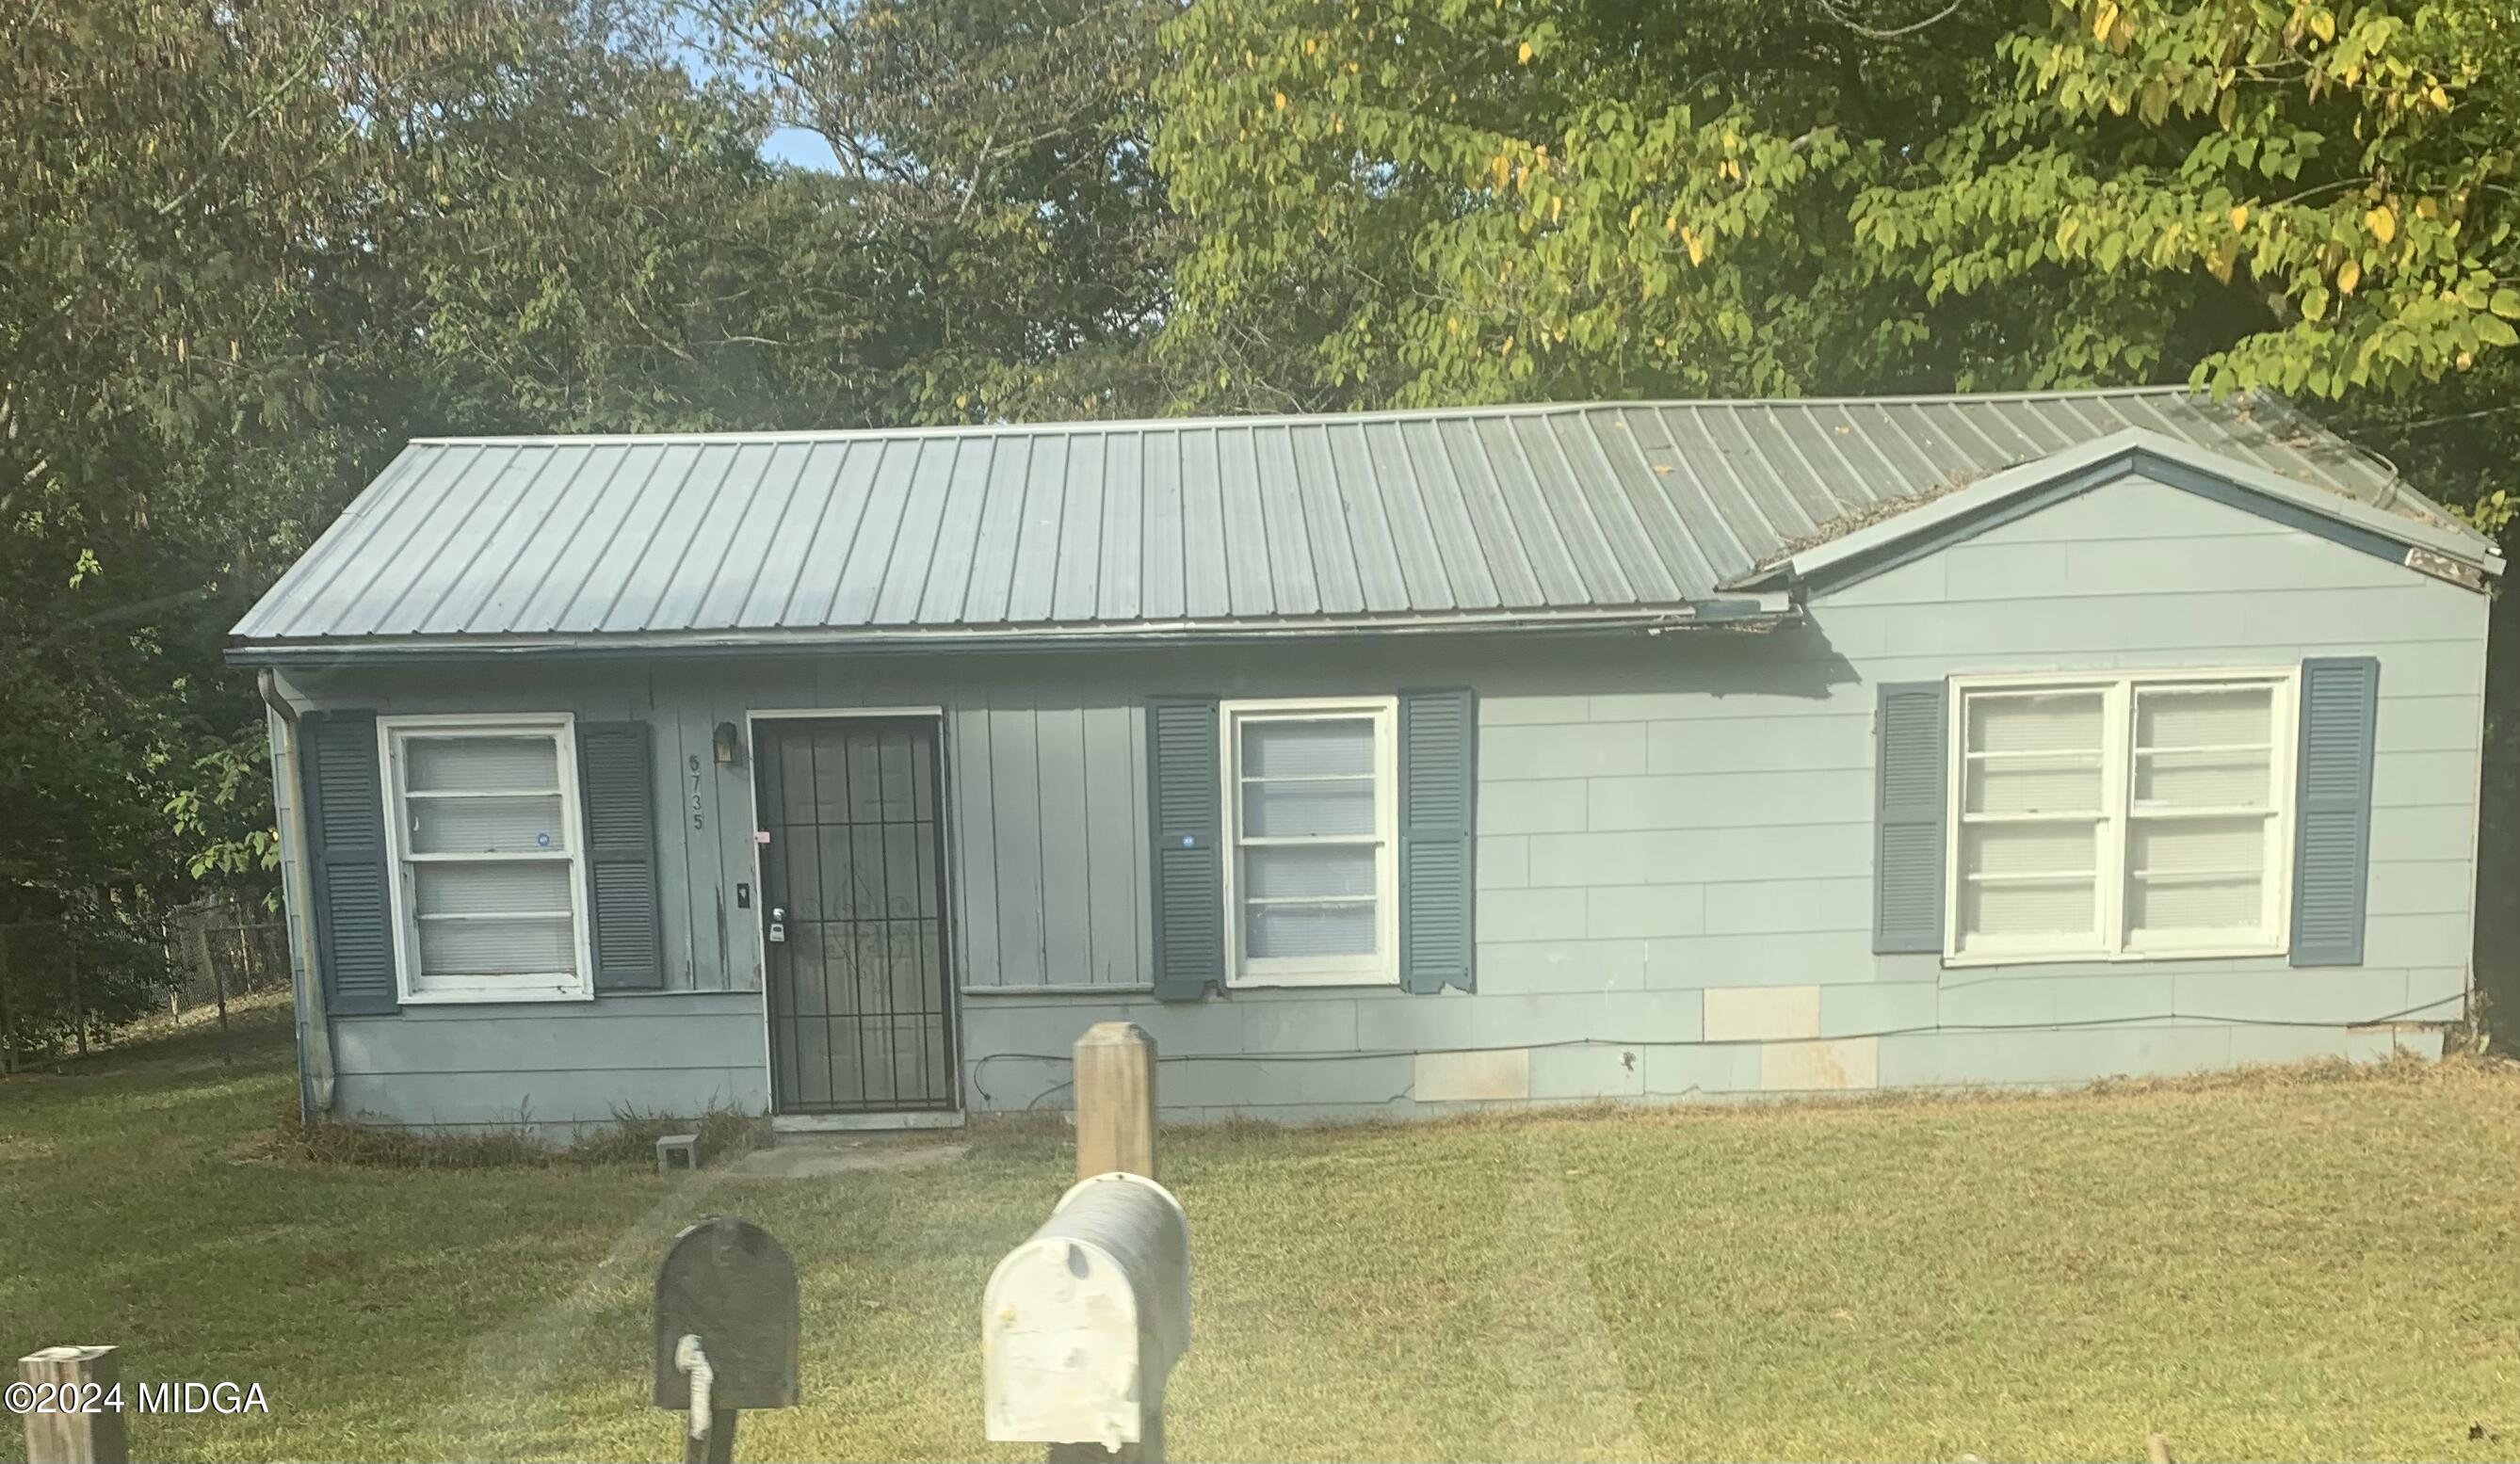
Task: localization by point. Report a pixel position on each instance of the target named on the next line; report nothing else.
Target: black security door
(853, 905)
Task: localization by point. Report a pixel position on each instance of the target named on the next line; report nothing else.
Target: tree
(245, 253)
(2316, 200)
(1447, 200)
(994, 182)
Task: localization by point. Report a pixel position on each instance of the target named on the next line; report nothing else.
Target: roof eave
(2132, 450)
(1741, 611)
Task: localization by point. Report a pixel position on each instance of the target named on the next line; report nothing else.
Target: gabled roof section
(1564, 516)
(2446, 548)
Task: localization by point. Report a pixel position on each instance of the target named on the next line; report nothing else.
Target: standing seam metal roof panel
(1522, 511)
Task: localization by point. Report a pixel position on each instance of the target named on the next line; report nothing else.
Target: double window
(1311, 828)
(483, 828)
(2119, 816)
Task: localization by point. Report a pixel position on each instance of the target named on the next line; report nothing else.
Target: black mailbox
(728, 1283)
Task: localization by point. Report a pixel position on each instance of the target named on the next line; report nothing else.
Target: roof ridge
(1090, 426)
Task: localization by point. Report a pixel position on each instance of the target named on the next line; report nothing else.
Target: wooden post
(218, 982)
(1115, 1101)
(8, 1020)
(74, 1378)
(2156, 1448)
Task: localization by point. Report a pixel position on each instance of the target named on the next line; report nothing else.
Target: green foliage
(247, 253)
(2330, 187)
(1442, 201)
(994, 198)
(1446, 200)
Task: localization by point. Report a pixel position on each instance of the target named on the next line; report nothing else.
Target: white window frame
(561, 728)
(2117, 691)
(1382, 968)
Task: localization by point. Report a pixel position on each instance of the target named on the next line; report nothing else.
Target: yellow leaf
(1636, 213)
(1501, 168)
(2348, 275)
(2239, 218)
(1671, 224)
(1280, 97)
(1523, 56)
(1696, 247)
(1310, 45)
(2105, 19)
(1505, 349)
(1555, 203)
(2323, 24)
(2382, 222)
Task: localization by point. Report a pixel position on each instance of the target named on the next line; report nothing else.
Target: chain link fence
(69, 986)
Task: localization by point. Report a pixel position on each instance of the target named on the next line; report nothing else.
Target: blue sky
(797, 146)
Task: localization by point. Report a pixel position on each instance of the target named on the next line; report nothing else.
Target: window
(482, 821)
(1312, 827)
(2121, 818)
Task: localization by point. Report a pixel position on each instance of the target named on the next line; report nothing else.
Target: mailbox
(1082, 1323)
(728, 1283)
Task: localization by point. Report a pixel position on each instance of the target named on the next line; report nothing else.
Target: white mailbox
(1082, 1323)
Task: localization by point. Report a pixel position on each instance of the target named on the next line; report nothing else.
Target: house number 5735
(697, 820)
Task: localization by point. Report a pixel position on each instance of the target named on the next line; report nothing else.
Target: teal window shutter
(618, 787)
(1187, 825)
(1438, 788)
(1911, 761)
(347, 866)
(2340, 706)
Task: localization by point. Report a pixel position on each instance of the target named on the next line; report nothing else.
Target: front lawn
(2281, 1265)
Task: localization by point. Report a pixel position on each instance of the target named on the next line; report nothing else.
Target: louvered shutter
(1439, 734)
(1912, 756)
(347, 863)
(1186, 827)
(618, 787)
(2340, 702)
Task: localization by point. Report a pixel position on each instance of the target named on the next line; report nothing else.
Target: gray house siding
(555, 1065)
(1675, 848)
(1675, 853)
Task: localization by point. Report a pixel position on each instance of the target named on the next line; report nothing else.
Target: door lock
(778, 923)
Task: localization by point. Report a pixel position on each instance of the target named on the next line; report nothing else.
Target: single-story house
(1384, 764)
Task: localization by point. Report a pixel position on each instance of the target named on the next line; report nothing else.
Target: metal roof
(1519, 514)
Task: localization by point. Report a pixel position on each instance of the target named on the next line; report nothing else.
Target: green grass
(2278, 1266)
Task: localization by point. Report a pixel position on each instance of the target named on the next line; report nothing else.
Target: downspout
(314, 1027)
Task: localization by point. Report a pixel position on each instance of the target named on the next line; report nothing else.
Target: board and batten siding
(1674, 849)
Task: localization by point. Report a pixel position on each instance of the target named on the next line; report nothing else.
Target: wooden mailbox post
(1115, 1101)
(1082, 1323)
